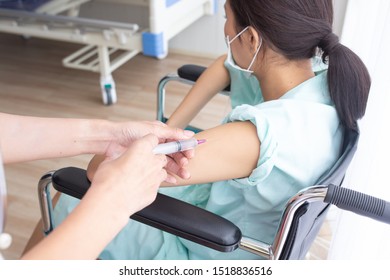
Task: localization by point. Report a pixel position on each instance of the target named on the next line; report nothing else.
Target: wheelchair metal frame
(161, 92)
(45, 201)
(274, 251)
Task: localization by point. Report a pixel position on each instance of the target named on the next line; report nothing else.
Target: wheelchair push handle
(359, 203)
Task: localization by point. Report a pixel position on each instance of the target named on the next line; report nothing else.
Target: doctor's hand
(120, 188)
(176, 163)
(126, 133)
(130, 182)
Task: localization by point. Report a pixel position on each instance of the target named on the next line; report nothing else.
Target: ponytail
(348, 80)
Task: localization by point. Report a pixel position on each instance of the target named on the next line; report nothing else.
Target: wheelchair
(301, 221)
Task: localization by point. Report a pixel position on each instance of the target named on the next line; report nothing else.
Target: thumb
(150, 140)
(145, 143)
(173, 133)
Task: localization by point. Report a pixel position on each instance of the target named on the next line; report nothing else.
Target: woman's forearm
(26, 138)
(214, 79)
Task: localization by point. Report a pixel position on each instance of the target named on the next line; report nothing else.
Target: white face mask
(230, 59)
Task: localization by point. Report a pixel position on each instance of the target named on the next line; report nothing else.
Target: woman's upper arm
(231, 151)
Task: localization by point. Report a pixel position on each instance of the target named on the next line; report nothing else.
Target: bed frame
(106, 44)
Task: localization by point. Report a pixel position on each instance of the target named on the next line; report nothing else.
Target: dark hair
(296, 29)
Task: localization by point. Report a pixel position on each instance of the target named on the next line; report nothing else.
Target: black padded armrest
(165, 213)
(192, 72)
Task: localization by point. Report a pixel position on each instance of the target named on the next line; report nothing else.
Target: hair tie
(329, 44)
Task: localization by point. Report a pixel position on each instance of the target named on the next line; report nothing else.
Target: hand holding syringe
(177, 146)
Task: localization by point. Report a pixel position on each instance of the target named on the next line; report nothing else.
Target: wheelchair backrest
(310, 213)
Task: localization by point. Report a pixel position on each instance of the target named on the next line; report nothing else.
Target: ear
(254, 38)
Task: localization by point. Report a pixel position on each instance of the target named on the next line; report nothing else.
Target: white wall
(340, 7)
(206, 36)
(366, 32)
(203, 38)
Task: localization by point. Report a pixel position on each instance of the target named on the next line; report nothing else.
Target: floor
(34, 82)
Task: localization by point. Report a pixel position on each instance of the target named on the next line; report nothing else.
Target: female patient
(284, 131)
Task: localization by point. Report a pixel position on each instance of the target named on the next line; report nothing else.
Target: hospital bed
(299, 225)
(106, 44)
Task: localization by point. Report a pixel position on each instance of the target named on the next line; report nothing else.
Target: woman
(285, 129)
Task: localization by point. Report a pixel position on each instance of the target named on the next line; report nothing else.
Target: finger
(164, 160)
(172, 166)
(180, 159)
(171, 179)
(142, 145)
(151, 139)
(158, 123)
(145, 143)
(184, 173)
(173, 133)
(189, 153)
(163, 175)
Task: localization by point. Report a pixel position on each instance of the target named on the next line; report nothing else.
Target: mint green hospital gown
(300, 137)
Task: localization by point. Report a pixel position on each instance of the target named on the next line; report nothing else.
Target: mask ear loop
(257, 51)
(237, 35)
